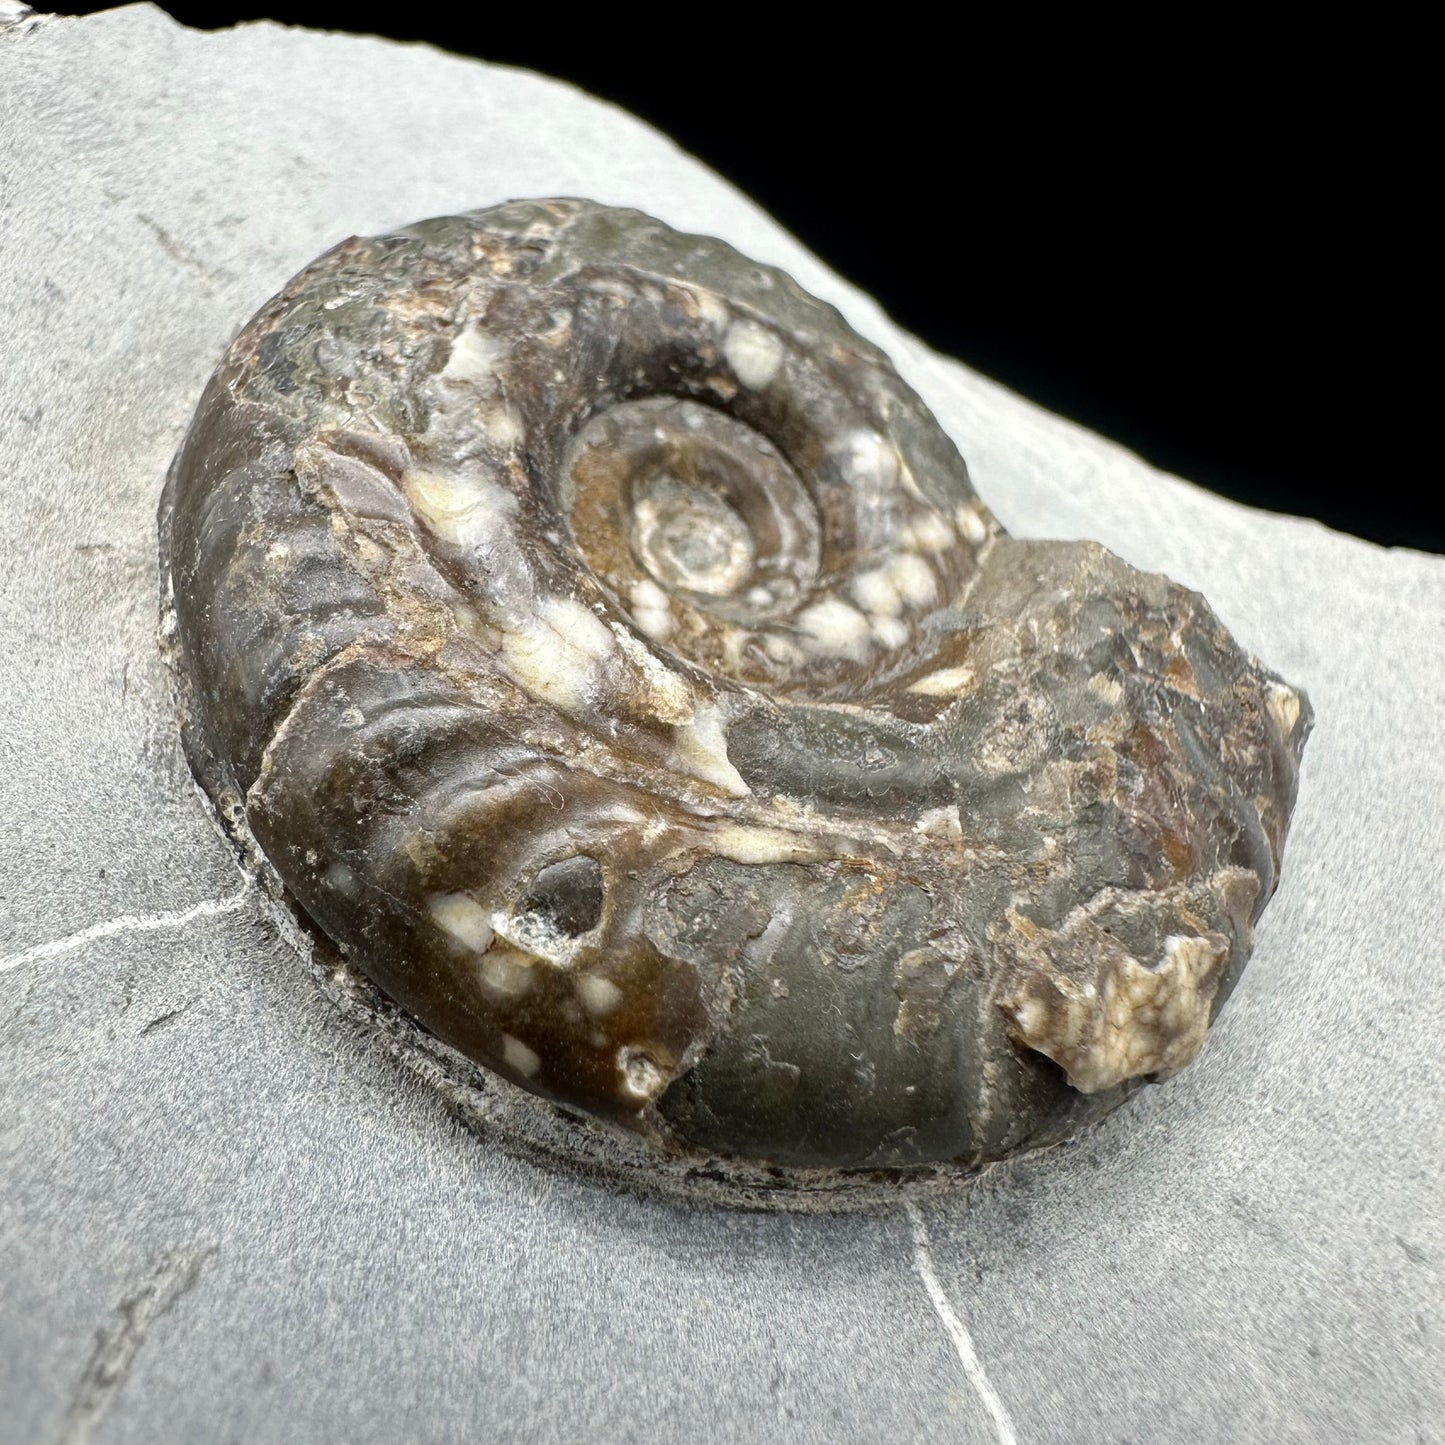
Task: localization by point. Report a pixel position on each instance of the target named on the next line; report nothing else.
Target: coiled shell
(610, 653)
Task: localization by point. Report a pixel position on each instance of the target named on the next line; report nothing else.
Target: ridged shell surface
(609, 653)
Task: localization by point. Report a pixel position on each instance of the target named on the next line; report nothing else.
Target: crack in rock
(128, 923)
(163, 1020)
(955, 1328)
(116, 1345)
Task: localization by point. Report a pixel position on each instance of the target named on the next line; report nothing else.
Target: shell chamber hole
(696, 501)
(566, 897)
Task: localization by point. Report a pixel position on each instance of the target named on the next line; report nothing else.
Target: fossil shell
(609, 652)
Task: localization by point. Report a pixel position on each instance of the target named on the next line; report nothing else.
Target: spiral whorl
(609, 652)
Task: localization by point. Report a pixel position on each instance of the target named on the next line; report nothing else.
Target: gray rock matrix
(227, 1212)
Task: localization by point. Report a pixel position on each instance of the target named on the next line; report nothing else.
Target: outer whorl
(609, 653)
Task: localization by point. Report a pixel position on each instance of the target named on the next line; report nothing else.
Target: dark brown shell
(608, 650)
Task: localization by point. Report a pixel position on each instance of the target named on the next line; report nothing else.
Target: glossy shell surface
(610, 655)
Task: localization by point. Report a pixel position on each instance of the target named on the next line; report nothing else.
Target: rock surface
(228, 1214)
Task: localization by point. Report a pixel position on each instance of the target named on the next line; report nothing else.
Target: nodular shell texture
(610, 656)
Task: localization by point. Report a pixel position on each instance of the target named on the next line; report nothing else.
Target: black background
(1196, 237)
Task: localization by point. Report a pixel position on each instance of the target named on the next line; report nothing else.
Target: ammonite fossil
(609, 653)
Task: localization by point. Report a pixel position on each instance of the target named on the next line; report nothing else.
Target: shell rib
(609, 652)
